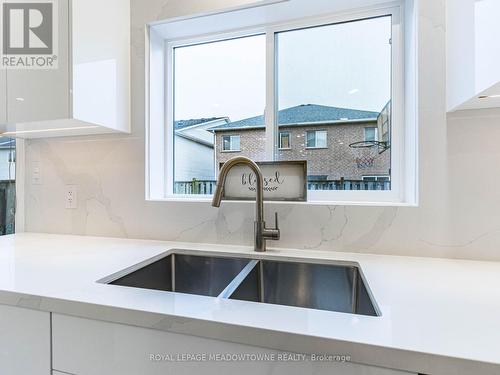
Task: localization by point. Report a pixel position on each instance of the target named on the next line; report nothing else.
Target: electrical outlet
(71, 197)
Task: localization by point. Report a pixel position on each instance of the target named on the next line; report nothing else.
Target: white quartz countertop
(438, 316)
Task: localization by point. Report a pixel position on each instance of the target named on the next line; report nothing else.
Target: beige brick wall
(252, 145)
(336, 161)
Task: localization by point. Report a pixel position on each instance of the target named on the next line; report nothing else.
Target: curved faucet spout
(226, 167)
(261, 232)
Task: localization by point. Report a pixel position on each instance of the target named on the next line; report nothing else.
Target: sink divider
(261, 282)
(238, 279)
(355, 295)
(172, 271)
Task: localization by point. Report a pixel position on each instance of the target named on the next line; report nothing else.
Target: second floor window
(371, 134)
(316, 139)
(284, 140)
(231, 143)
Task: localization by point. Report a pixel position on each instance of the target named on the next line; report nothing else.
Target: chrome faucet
(261, 233)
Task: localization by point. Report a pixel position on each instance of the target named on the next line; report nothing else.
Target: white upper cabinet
(42, 94)
(89, 90)
(473, 54)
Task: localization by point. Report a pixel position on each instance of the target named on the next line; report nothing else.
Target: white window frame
(231, 149)
(280, 146)
(404, 187)
(316, 139)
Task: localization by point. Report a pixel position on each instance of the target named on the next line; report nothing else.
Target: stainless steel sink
(316, 286)
(183, 273)
(321, 286)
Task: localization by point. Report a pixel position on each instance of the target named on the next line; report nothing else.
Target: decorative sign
(283, 181)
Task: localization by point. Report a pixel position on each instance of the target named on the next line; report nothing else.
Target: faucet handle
(270, 233)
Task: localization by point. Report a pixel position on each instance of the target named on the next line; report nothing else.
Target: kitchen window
(263, 90)
(231, 143)
(316, 139)
(284, 141)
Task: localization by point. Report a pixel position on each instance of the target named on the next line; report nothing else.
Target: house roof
(181, 124)
(304, 114)
(197, 130)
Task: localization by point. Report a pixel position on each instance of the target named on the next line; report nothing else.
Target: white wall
(193, 160)
(458, 216)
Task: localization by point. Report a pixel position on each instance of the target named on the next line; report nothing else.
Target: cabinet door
(82, 346)
(24, 341)
(473, 56)
(3, 96)
(101, 62)
(42, 94)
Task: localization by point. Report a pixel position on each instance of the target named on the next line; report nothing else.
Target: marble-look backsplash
(459, 203)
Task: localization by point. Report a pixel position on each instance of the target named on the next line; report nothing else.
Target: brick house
(319, 134)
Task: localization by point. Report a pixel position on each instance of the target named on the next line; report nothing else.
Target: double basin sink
(321, 286)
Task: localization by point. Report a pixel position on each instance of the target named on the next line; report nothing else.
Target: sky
(344, 65)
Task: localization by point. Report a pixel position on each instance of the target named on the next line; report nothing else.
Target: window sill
(207, 199)
(284, 149)
(229, 151)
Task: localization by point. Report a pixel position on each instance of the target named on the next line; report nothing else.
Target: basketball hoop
(366, 152)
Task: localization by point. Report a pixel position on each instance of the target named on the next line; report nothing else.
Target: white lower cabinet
(89, 347)
(24, 341)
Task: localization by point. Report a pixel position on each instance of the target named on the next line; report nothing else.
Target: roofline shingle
(305, 115)
(318, 123)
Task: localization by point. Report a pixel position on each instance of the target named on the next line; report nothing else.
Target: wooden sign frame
(283, 181)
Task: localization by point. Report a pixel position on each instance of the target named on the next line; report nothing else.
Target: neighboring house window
(285, 143)
(231, 143)
(316, 139)
(324, 81)
(371, 134)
